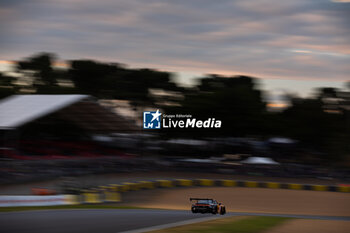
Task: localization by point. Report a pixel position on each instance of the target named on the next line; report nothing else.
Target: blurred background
(84, 117)
(77, 75)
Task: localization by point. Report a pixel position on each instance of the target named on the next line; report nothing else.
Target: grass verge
(59, 207)
(230, 224)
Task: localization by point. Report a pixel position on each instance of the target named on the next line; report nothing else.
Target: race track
(108, 220)
(89, 221)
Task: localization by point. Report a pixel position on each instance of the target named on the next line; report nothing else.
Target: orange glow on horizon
(277, 105)
(55, 64)
(7, 62)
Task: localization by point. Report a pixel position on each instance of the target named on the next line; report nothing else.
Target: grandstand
(57, 126)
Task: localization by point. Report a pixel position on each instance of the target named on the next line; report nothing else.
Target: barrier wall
(6, 201)
(126, 187)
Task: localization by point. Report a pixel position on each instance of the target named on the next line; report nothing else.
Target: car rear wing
(193, 198)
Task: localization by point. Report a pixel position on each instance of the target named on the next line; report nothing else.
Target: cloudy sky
(301, 43)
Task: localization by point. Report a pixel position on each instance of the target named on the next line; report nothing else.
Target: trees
(38, 74)
(92, 78)
(114, 81)
(234, 100)
(40, 67)
(6, 85)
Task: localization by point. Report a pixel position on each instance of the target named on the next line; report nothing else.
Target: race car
(207, 205)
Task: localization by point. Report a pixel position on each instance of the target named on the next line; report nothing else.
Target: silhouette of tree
(114, 81)
(6, 85)
(233, 100)
(41, 67)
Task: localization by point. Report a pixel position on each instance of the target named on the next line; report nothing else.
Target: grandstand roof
(84, 110)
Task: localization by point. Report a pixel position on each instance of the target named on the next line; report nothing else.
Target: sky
(291, 45)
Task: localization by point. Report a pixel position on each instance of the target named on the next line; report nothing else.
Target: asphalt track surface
(111, 220)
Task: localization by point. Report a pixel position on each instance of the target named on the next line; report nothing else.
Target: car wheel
(223, 211)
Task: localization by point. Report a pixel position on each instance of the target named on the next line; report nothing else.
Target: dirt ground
(247, 200)
(312, 226)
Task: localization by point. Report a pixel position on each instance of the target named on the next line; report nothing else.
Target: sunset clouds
(301, 39)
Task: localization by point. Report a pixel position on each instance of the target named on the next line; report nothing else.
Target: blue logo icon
(151, 120)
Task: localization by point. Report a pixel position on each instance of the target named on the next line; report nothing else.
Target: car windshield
(205, 202)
